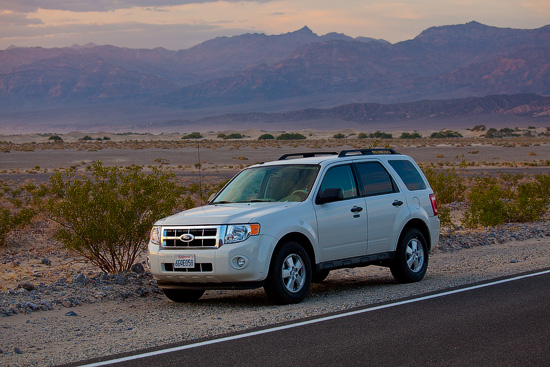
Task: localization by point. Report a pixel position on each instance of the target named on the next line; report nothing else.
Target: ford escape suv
(284, 224)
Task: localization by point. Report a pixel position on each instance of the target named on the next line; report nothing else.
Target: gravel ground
(93, 315)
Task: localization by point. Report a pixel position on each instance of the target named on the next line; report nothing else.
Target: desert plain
(122, 319)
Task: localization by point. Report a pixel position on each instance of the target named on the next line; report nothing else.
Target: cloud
(127, 34)
(29, 6)
(8, 19)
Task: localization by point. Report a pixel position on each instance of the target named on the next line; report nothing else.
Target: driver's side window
(340, 177)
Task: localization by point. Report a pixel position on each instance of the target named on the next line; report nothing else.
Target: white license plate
(184, 261)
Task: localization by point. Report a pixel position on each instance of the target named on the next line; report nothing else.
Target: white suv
(285, 224)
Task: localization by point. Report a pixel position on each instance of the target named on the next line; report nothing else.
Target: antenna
(200, 173)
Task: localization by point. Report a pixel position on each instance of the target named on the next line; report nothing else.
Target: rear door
(386, 206)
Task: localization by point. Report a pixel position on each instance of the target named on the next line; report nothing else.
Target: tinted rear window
(375, 179)
(409, 174)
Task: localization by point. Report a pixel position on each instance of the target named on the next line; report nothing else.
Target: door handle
(397, 203)
(356, 209)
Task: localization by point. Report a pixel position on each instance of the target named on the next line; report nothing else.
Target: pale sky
(180, 24)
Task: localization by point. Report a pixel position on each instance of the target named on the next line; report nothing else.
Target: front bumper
(214, 267)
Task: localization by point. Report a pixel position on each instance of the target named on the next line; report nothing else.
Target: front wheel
(411, 257)
(183, 295)
(289, 276)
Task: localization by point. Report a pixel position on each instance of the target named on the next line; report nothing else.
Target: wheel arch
(302, 240)
(420, 225)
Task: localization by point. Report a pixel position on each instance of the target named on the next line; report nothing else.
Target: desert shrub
(508, 198)
(448, 187)
(338, 136)
(407, 135)
(291, 136)
(233, 136)
(479, 128)
(193, 135)
(106, 216)
(380, 135)
(445, 134)
(14, 215)
(266, 137)
(55, 138)
(362, 136)
(505, 132)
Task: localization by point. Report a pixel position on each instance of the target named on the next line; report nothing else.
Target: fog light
(239, 262)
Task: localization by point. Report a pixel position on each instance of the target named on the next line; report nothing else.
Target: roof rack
(345, 153)
(305, 155)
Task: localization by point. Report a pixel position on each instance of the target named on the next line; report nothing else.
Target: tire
(411, 257)
(289, 276)
(320, 275)
(183, 295)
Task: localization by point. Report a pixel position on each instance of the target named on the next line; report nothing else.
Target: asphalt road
(504, 324)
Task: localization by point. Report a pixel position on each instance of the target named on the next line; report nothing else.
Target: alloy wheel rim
(294, 273)
(415, 255)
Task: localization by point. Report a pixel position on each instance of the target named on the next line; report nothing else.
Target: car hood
(224, 214)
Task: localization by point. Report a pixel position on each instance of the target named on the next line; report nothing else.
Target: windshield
(270, 183)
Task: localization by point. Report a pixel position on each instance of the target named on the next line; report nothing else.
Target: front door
(342, 224)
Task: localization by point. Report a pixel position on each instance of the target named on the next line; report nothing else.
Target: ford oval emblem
(187, 237)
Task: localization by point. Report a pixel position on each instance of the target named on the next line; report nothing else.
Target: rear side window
(375, 180)
(409, 174)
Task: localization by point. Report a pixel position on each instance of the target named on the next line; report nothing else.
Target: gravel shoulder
(68, 334)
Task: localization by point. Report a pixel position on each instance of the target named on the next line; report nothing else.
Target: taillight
(434, 204)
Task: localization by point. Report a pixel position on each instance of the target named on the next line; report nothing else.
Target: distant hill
(269, 75)
(488, 108)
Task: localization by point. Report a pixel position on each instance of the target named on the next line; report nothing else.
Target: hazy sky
(180, 24)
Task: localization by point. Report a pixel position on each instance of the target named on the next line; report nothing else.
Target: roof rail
(305, 155)
(345, 153)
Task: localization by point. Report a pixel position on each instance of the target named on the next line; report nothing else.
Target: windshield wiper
(222, 202)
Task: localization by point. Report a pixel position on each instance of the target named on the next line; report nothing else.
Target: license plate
(184, 261)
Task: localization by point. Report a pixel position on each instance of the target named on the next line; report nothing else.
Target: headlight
(155, 235)
(240, 232)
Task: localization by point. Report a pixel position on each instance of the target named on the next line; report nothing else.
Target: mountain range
(281, 77)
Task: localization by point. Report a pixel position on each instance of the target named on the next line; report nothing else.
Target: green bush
(445, 134)
(106, 217)
(505, 132)
(407, 135)
(266, 137)
(338, 136)
(193, 135)
(56, 138)
(508, 198)
(380, 135)
(233, 136)
(448, 187)
(291, 136)
(14, 215)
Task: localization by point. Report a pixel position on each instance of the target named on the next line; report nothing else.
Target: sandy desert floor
(116, 319)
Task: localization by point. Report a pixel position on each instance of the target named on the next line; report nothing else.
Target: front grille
(203, 237)
(199, 268)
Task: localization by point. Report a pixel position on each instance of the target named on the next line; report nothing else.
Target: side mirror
(329, 195)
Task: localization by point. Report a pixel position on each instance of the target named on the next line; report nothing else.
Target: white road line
(309, 322)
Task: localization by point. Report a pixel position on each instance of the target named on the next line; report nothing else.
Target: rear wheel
(289, 276)
(183, 295)
(411, 257)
